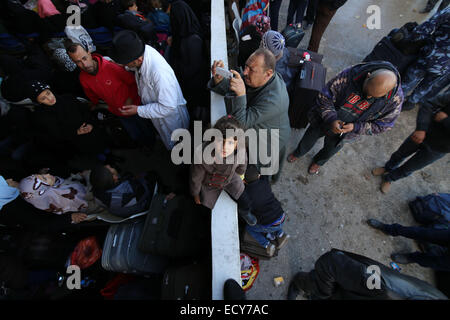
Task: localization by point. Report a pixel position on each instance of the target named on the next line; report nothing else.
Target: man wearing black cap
(161, 96)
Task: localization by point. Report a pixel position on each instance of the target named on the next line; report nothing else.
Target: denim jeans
(332, 144)
(435, 236)
(423, 156)
(258, 232)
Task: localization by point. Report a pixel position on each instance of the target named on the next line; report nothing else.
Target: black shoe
(248, 217)
(233, 291)
(402, 258)
(293, 291)
(377, 225)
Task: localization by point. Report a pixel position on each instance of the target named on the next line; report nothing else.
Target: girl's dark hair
(101, 179)
(227, 122)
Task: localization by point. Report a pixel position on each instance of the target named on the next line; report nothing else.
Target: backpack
(431, 209)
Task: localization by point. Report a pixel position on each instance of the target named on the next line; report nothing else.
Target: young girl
(208, 180)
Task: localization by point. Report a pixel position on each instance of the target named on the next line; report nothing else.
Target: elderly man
(104, 80)
(259, 100)
(363, 99)
(162, 99)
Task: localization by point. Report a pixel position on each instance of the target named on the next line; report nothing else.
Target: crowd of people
(69, 102)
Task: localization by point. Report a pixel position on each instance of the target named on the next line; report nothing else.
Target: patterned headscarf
(63, 196)
(262, 23)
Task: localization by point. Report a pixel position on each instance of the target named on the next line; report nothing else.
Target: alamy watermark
(263, 147)
(374, 280)
(374, 20)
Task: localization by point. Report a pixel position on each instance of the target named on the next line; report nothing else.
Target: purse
(293, 34)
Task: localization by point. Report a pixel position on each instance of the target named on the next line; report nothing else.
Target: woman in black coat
(187, 54)
(64, 127)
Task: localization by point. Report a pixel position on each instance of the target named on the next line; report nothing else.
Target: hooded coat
(343, 93)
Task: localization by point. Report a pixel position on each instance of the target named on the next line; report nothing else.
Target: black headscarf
(183, 22)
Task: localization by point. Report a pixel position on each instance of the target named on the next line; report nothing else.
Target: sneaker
(281, 241)
(379, 171)
(270, 250)
(385, 186)
(233, 291)
(402, 258)
(314, 168)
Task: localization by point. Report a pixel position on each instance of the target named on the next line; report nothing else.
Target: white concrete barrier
(224, 221)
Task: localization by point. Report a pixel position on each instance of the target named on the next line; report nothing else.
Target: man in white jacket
(158, 87)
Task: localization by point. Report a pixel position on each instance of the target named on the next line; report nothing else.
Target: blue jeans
(423, 156)
(258, 232)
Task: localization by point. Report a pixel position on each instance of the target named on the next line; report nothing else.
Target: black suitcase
(386, 51)
(121, 253)
(176, 228)
(311, 76)
(249, 245)
(190, 282)
(301, 101)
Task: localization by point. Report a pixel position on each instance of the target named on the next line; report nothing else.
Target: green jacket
(265, 107)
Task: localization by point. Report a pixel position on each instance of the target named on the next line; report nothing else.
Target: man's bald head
(379, 82)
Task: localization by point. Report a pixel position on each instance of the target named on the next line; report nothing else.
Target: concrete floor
(329, 210)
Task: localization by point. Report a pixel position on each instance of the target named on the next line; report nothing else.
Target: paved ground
(329, 210)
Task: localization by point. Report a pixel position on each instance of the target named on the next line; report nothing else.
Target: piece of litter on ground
(364, 25)
(342, 226)
(323, 249)
(384, 242)
(401, 15)
(414, 10)
(278, 281)
(357, 17)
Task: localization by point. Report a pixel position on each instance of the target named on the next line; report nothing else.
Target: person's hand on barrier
(129, 110)
(217, 78)
(197, 200)
(418, 136)
(237, 84)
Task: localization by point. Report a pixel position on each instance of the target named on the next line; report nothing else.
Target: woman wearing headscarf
(187, 55)
(63, 126)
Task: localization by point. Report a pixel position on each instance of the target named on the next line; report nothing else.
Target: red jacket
(112, 84)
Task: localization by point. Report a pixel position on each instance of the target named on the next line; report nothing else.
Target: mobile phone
(224, 73)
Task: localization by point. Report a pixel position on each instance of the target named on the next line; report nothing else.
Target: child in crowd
(208, 180)
(267, 210)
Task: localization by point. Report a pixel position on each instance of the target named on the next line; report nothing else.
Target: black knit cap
(35, 88)
(126, 47)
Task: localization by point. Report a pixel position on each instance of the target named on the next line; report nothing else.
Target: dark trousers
(332, 144)
(297, 8)
(274, 10)
(311, 11)
(323, 17)
(336, 274)
(140, 130)
(423, 156)
(436, 236)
